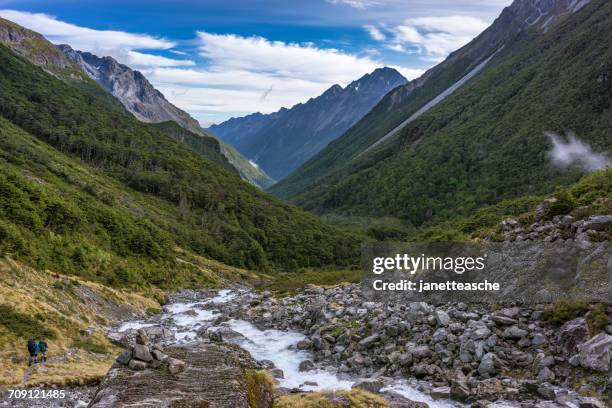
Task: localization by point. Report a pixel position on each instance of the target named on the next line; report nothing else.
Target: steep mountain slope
(522, 18)
(282, 141)
(486, 141)
(88, 189)
(147, 104)
(38, 50)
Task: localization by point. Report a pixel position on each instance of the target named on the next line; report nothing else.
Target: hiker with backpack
(33, 351)
(42, 347)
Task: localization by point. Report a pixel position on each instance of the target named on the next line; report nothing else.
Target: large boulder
(370, 384)
(595, 353)
(571, 334)
(598, 222)
(141, 352)
(218, 375)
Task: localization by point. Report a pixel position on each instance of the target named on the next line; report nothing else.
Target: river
(188, 318)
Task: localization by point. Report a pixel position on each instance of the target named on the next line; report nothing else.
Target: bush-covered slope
(206, 146)
(486, 143)
(107, 188)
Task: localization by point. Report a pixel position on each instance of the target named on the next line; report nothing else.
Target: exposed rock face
(131, 88)
(147, 104)
(280, 142)
(214, 375)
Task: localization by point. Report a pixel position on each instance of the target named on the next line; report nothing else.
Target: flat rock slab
(214, 377)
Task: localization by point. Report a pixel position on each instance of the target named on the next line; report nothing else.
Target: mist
(569, 150)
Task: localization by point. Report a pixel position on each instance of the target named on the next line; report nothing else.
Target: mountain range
(542, 66)
(147, 104)
(281, 141)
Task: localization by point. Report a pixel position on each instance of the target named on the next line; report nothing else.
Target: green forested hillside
(206, 146)
(88, 189)
(485, 143)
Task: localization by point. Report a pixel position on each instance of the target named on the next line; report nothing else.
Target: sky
(218, 59)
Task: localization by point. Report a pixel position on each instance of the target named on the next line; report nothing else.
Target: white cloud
(239, 75)
(433, 37)
(119, 44)
(358, 4)
(375, 33)
(279, 59)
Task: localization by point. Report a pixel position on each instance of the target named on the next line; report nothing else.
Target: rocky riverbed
(444, 356)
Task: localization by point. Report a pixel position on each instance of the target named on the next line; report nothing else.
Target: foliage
(564, 311)
(99, 194)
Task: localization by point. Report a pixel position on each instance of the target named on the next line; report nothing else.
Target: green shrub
(563, 311)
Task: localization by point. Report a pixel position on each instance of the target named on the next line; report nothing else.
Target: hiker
(42, 347)
(33, 351)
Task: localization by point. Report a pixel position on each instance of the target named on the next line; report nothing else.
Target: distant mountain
(280, 142)
(523, 17)
(543, 65)
(147, 104)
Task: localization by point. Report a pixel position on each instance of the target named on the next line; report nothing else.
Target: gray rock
(158, 355)
(590, 402)
(141, 337)
(137, 365)
(214, 335)
(487, 365)
(538, 339)
(545, 375)
(369, 341)
(309, 384)
(304, 344)
(175, 365)
(546, 391)
(595, 353)
(125, 357)
(514, 332)
(306, 365)
(571, 334)
(266, 364)
(277, 373)
(441, 393)
(503, 320)
(598, 222)
(370, 384)
(442, 318)
(120, 339)
(420, 352)
(141, 352)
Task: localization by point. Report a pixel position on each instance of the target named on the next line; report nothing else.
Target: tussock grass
(40, 303)
(337, 399)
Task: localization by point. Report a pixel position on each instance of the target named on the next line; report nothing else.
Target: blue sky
(217, 59)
